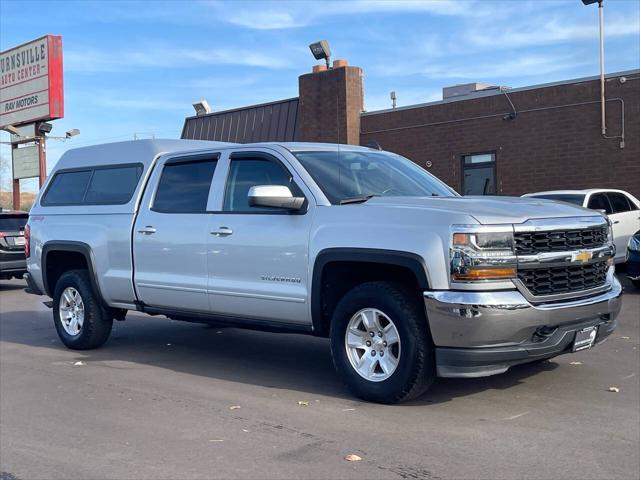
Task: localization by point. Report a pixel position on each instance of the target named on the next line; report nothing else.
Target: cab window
(245, 173)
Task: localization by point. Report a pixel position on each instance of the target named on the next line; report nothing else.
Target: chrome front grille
(532, 242)
(564, 279)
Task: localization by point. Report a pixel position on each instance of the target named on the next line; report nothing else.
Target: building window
(479, 174)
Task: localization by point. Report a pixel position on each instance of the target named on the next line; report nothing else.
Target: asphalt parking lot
(160, 400)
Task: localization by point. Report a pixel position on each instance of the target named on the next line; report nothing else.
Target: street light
(45, 127)
(201, 107)
(602, 99)
(11, 129)
(72, 133)
(321, 50)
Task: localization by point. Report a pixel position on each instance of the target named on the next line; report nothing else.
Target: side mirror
(274, 196)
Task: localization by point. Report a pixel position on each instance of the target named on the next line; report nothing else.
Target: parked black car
(12, 258)
(633, 262)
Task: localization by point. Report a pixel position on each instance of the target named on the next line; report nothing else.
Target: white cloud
(545, 31)
(297, 14)
(525, 65)
(93, 60)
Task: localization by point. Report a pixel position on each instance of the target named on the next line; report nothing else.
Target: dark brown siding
(554, 143)
(268, 122)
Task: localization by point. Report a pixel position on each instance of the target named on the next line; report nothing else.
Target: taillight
(27, 241)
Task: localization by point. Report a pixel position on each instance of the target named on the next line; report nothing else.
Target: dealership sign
(31, 82)
(25, 162)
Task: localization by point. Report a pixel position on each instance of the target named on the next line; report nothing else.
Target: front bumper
(484, 333)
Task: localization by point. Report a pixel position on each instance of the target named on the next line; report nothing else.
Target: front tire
(380, 343)
(80, 319)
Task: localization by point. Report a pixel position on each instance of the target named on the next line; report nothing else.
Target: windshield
(576, 199)
(358, 175)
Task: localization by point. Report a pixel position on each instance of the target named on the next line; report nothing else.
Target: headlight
(482, 255)
(610, 232)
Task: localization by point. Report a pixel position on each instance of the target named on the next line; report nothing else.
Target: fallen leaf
(614, 389)
(306, 404)
(575, 363)
(245, 430)
(216, 440)
(234, 407)
(348, 409)
(625, 338)
(352, 457)
(79, 363)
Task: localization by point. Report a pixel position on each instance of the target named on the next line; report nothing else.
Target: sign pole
(42, 160)
(16, 184)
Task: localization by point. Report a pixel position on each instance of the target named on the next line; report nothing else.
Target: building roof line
(497, 91)
(232, 110)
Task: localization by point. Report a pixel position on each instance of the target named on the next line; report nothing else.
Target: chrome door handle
(222, 232)
(616, 222)
(148, 230)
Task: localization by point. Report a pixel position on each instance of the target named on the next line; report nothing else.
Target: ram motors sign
(31, 82)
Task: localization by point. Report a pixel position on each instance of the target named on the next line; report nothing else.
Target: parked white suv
(622, 208)
(408, 279)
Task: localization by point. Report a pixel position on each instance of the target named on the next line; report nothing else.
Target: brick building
(478, 139)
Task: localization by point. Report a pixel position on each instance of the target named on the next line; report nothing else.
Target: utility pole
(602, 99)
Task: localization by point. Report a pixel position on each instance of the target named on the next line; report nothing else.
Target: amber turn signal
(485, 274)
(460, 239)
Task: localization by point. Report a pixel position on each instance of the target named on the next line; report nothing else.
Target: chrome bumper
(483, 333)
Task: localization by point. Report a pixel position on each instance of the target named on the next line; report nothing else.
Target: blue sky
(135, 67)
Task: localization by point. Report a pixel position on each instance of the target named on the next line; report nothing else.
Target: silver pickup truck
(408, 279)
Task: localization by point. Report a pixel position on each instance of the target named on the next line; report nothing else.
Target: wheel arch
(69, 246)
(408, 262)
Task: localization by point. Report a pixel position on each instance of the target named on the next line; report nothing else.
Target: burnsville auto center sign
(31, 82)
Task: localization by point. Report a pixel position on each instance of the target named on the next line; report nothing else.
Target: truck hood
(489, 210)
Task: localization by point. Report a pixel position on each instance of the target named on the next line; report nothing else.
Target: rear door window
(598, 201)
(184, 187)
(619, 202)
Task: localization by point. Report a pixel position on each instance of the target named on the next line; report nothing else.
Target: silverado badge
(582, 256)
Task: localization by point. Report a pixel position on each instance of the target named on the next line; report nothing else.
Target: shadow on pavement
(14, 285)
(281, 361)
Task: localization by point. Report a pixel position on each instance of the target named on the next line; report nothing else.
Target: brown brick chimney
(330, 104)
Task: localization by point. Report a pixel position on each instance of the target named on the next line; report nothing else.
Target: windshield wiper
(360, 199)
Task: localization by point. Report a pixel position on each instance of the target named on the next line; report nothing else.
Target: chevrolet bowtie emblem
(582, 256)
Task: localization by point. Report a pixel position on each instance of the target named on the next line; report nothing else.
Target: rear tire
(397, 309)
(82, 323)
